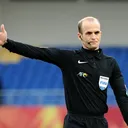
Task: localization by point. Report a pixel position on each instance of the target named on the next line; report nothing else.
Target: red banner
(47, 117)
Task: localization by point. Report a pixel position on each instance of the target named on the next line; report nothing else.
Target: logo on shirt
(82, 74)
(82, 62)
(103, 82)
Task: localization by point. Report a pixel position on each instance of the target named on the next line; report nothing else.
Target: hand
(3, 35)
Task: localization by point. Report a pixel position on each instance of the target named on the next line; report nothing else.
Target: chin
(93, 48)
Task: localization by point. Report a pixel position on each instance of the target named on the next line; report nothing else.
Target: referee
(86, 74)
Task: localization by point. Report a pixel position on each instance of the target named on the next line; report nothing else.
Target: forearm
(122, 98)
(124, 109)
(51, 55)
(23, 49)
(119, 89)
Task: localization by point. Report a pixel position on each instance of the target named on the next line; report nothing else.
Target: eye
(97, 32)
(88, 33)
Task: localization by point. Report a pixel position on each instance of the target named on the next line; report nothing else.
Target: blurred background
(32, 90)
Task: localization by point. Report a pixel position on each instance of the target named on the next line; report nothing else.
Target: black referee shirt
(86, 75)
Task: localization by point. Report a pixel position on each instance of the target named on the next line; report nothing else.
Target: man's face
(90, 35)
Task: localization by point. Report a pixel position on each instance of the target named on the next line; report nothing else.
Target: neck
(92, 49)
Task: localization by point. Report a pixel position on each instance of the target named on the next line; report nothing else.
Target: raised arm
(51, 55)
(120, 91)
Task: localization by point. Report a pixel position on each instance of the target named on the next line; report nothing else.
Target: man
(86, 74)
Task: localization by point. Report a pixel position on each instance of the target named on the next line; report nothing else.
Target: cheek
(99, 37)
(87, 38)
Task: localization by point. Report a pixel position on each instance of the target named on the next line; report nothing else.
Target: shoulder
(112, 61)
(68, 51)
(58, 50)
(108, 57)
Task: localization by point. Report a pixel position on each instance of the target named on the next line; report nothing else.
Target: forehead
(90, 26)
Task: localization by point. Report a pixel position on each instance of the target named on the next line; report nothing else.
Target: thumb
(3, 28)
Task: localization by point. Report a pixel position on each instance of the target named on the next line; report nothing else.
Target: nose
(93, 36)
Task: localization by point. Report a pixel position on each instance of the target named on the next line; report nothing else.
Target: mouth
(93, 42)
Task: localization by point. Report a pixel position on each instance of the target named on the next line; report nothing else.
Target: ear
(101, 32)
(79, 36)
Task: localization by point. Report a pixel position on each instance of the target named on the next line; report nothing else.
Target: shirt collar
(93, 53)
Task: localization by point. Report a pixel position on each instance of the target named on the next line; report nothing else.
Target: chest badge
(103, 82)
(82, 74)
